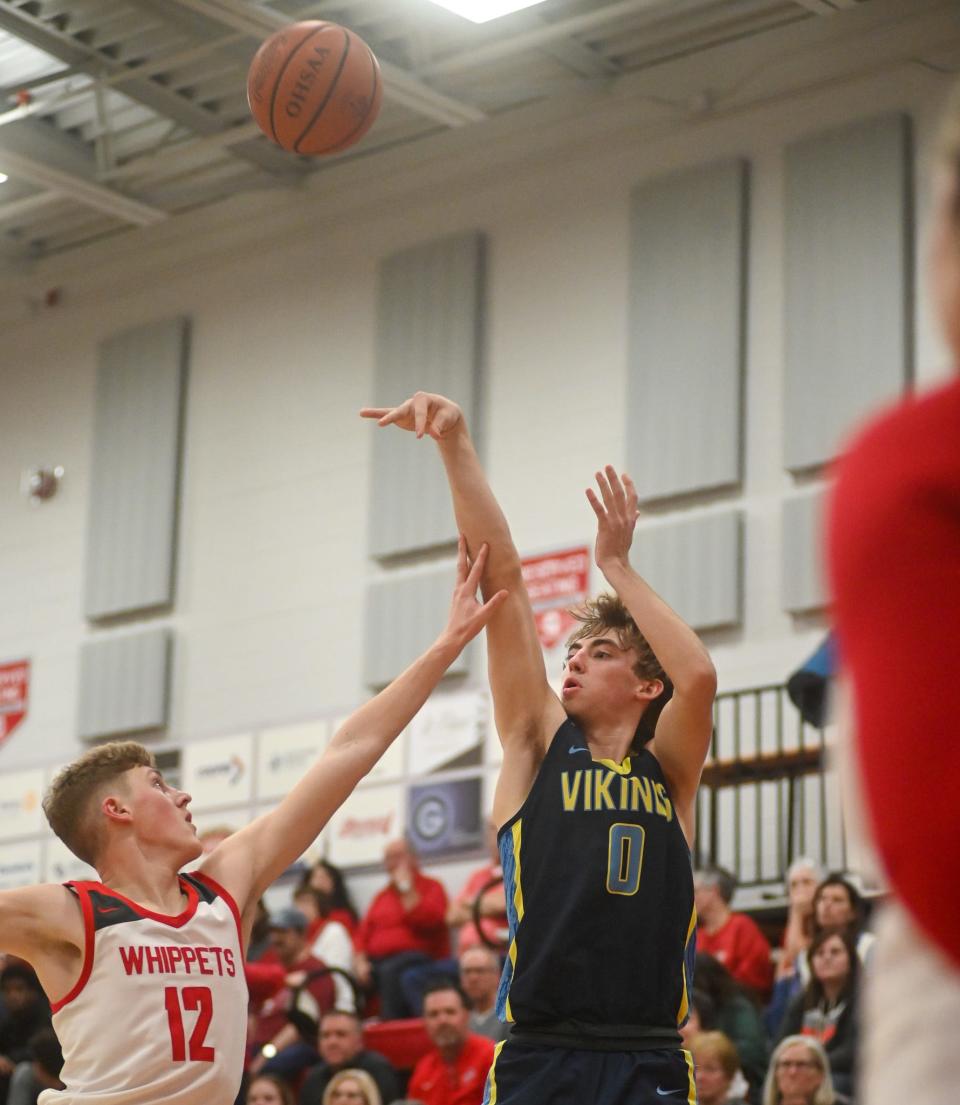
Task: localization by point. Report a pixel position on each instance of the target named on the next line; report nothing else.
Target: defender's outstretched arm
(247, 862)
(682, 737)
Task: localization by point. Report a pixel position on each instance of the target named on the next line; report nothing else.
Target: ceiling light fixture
(481, 11)
(3, 178)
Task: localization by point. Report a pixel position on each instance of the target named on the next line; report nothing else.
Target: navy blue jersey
(599, 890)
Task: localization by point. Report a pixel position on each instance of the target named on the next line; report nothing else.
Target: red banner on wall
(14, 692)
(555, 581)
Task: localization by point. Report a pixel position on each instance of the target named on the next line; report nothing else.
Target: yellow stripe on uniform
(490, 1098)
(685, 996)
(516, 832)
(622, 768)
(692, 1090)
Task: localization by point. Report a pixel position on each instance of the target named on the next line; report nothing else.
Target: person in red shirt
(732, 938)
(404, 927)
(493, 905)
(455, 1071)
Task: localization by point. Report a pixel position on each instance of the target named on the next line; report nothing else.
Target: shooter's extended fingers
(374, 412)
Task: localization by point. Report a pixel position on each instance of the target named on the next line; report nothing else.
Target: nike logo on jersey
(572, 749)
(666, 1093)
(110, 908)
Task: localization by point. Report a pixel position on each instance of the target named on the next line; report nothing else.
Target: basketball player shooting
(144, 969)
(595, 803)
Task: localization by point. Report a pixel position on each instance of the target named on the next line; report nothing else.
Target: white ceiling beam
(817, 7)
(14, 209)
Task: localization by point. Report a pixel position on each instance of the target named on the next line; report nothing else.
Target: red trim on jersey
(86, 908)
(193, 899)
(200, 876)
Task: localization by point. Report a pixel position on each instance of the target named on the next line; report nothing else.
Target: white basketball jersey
(159, 1013)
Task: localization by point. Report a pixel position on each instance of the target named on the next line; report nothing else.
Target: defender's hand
(467, 615)
(616, 515)
(423, 413)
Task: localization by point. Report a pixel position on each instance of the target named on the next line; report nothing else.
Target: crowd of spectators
(766, 1026)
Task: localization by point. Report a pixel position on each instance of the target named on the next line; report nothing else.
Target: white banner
(19, 865)
(447, 728)
(61, 865)
(364, 824)
(285, 753)
(218, 772)
(20, 811)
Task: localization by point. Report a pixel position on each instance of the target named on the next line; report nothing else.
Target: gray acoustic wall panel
(429, 338)
(124, 683)
(847, 282)
(803, 586)
(696, 566)
(686, 330)
(131, 532)
(403, 616)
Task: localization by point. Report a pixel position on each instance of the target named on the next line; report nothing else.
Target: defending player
(144, 970)
(596, 819)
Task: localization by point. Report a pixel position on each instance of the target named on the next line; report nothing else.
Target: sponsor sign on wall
(218, 772)
(14, 693)
(448, 732)
(556, 581)
(60, 864)
(286, 753)
(362, 826)
(20, 810)
(445, 817)
(19, 865)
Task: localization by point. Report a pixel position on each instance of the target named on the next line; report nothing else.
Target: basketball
(314, 88)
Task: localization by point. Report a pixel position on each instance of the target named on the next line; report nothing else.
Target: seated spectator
(736, 1016)
(493, 907)
(803, 877)
(480, 980)
(716, 1066)
(838, 902)
(25, 1012)
(827, 1008)
(259, 934)
(267, 1089)
(352, 1087)
(732, 938)
(455, 1071)
(799, 1074)
(701, 1016)
(329, 941)
(341, 1047)
(286, 1024)
(404, 927)
(38, 1073)
(336, 904)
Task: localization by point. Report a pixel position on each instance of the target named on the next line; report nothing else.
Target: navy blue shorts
(538, 1074)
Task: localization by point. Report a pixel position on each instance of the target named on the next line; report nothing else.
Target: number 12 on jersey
(197, 998)
(624, 858)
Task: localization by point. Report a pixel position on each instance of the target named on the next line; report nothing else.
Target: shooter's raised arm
(683, 731)
(526, 709)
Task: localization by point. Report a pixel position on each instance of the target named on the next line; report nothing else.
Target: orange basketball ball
(314, 87)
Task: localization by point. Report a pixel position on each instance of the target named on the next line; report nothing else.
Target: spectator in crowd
(341, 1047)
(827, 1007)
(455, 1070)
(25, 1012)
(480, 979)
(259, 934)
(732, 938)
(701, 1016)
(267, 1089)
(329, 941)
(838, 902)
(492, 908)
(799, 1074)
(286, 1024)
(41, 1071)
(736, 1016)
(404, 927)
(336, 904)
(803, 877)
(352, 1087)
(716, 1067)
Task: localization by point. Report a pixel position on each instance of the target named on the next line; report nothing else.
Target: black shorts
(536, 1074)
